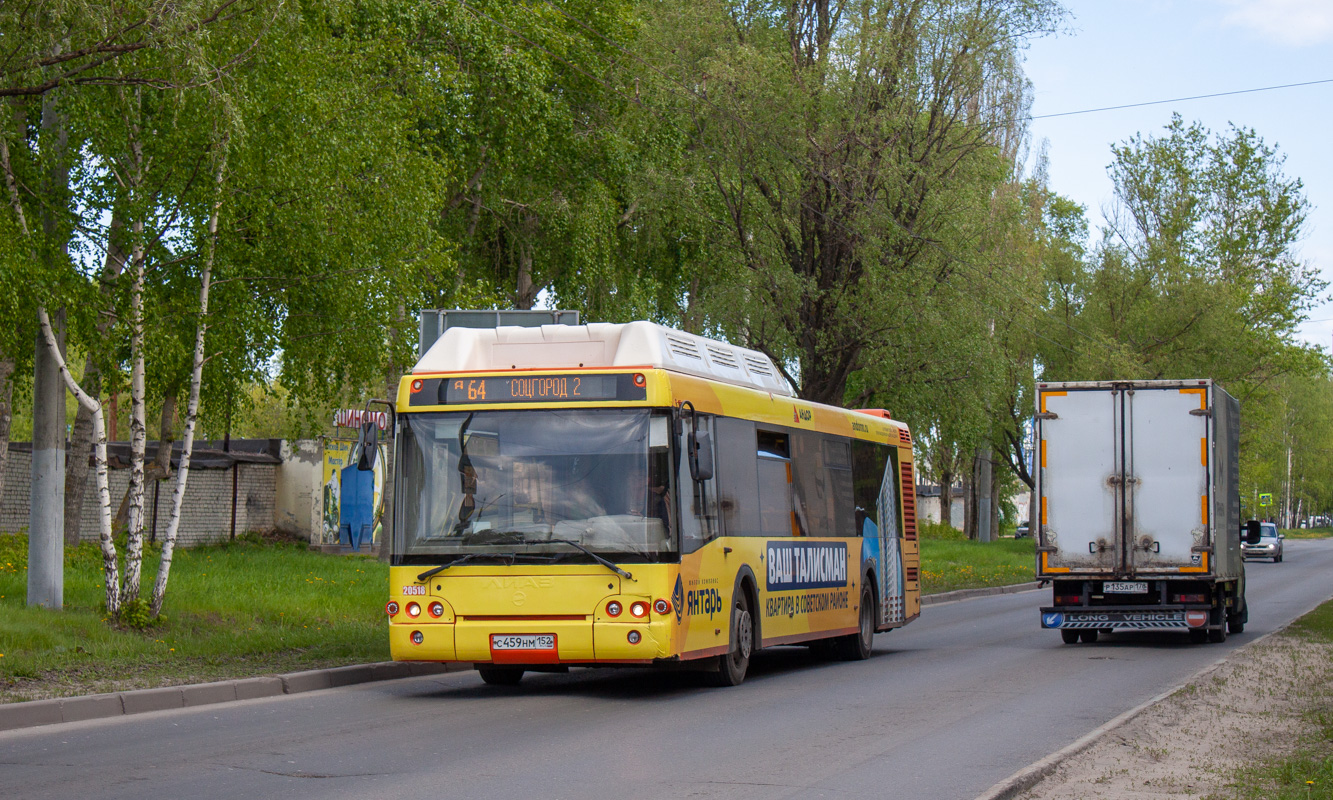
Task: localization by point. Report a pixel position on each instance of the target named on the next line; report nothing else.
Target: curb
(1034, 773)
(967, 594)
(32, 713)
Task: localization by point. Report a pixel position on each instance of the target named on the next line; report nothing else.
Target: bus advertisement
(634, 495)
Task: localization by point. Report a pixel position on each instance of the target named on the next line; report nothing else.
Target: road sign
(1266, 499)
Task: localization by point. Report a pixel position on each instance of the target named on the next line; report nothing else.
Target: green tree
(845, 159)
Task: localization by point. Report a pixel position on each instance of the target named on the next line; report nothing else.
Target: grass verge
(1305, 770)
(950, 561)
(1307, 533)
(246, 608)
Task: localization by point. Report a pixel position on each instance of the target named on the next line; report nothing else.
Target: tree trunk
(994, 490)
(78, 458)
(946, 497)
(192, 405)
(525, 294)
(6, 416)
(983, 484)
(970, 501)
(134, 493)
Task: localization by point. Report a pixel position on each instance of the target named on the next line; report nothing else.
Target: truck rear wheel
(1069, 637)
(1089, 636)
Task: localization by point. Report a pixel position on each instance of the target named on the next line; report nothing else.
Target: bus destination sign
(465, 390)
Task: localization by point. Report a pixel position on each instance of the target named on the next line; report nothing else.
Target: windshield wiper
(599, 559)
(510, 557)
(430, 573)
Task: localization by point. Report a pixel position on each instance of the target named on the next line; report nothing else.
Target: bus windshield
(518, 482)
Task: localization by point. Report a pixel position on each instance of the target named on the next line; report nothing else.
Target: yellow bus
(629, 494)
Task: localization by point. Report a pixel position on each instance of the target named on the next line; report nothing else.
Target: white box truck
(1137, 508)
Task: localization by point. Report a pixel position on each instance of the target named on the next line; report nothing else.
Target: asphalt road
(950, 705)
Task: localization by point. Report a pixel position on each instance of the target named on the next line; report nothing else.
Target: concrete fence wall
(268, 497)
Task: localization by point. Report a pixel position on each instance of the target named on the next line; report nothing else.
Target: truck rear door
(1079, 452)
(1167, 451)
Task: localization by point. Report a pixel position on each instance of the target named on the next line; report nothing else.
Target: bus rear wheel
(500, 676)
(733, 664)
(857, 646)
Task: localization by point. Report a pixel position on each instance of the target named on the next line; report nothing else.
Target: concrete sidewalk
(115, 704)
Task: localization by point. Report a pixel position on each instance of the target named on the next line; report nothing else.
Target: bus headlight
(413, 610)
(613, 609)
(639, 610)
(633, 637)
(437, 609)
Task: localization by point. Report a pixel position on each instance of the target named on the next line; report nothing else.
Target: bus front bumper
(576, 641)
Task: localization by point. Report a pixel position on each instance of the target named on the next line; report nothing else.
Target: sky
(1121, 52)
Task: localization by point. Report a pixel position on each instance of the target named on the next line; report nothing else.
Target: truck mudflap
(1148, 618)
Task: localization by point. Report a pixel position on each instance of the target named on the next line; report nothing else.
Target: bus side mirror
(1253, 531)
(701, 456)
(368, 442)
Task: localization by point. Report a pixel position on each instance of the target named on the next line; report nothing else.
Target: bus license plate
(537, 641)
(1125, 587)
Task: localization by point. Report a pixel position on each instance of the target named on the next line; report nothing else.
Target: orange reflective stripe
(1203, 504)
(1203, 451)
(1045, 395)
(1201, 392)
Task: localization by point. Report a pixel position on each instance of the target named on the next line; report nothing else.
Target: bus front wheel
(733, 664)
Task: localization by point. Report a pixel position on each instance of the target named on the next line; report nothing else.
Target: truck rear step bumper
(1152, 618)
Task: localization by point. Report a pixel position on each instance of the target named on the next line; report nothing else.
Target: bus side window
(698, 500)
(737, 477)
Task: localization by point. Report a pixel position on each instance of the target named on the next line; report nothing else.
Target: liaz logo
(704, 601)
(678, 599)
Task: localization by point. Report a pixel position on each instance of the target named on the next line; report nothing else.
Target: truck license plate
(1125, 587)
(538, 641)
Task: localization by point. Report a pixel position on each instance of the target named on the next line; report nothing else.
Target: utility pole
(1286, 504)
(46, 510)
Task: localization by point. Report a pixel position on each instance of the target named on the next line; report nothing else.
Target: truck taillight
(1191, 598)
(1067, 599)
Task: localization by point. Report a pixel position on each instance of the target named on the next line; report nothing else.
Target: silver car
(1268, 546)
